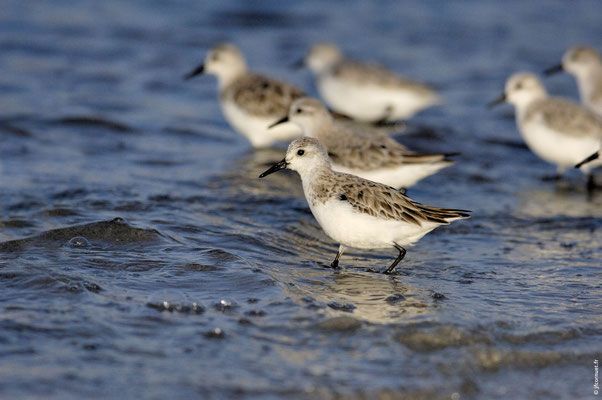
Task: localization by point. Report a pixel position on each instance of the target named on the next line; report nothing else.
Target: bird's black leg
(402, 253)
(591, 183)
(335, 263)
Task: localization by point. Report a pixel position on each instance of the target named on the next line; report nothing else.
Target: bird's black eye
(519, 86)
(301, 152)
(299, 111)
(215, 57)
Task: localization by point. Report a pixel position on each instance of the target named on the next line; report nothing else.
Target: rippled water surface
(142, 258)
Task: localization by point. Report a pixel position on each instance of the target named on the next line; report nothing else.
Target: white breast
(371, 102)
(255, 128)
(354, 229)
(558, 148)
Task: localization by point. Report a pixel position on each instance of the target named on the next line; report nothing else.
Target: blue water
(210, 285)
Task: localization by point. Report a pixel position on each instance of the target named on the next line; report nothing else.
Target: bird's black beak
(197, 71)
(497, 101)
(275, 168)
(280, 121)
(554, 70)
(588, 159)
(300, 63)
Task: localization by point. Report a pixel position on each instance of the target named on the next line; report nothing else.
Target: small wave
(113, 232)
(95, 122)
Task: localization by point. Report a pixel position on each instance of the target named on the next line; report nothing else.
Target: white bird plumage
(585, 64)
(555, 129)
(365, 92)
(371, 156)
(249, 102)
(357, 212)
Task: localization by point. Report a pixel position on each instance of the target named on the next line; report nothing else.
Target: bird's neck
(589, 82)
(525, 103)
(227, 77)
(320, 130)
(317, 183)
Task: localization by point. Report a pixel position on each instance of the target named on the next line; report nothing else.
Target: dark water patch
(395, 298)
(96, 78)
(58, 212)
(91, 122)
(339, 324)
(81, 286)
(115, 232)
(26, 205)
(255, 313)
(132, 206)
(158, 162)
(215, 333)
(263, 18)
(439, 338)
(212, 135)
(509, 143)
(341, 307)
(225, 306)
(11, 129)
(438, 296)
(493, 360)
(192, 308)
(549, 337)
(69, 194)
(16, 223)
(163, 198)
(480, 178)
(194, 267)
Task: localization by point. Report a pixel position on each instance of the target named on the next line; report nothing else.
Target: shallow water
(210, 284)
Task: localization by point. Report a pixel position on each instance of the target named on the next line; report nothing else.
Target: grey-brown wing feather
(374, 74)
(385, 202)
(567, 117)
(261, 95)
(374, 153)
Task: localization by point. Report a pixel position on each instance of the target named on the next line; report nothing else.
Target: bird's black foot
(335, 264)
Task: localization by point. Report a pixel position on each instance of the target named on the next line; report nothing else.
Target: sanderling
(357, 212)
(365, 92)
(585, 64)
(249, 102)
(557, 130)
(375, 157)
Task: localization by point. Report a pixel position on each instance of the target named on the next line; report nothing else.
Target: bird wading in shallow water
(375, 157)
(356, 212)
(556, 130)
(585, 64)
(363, 91)
(249, 102)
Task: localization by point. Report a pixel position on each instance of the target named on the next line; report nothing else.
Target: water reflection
(376, 297)
(366, 296)
(568, 199)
